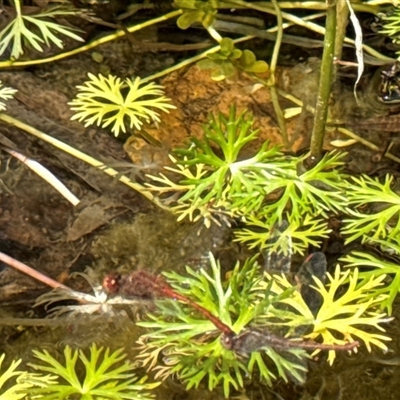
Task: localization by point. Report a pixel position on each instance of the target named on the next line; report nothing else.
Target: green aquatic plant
(373, 216)
(193, 11)
(213, 179)
(35, 30)
(373, 210)
(378, 266)
(390, 23)
(110, 101)
(6, 93)
(107, 375)
(229, 60)
(349, 305)
(301, 234)
(190, 346)
(12, 384)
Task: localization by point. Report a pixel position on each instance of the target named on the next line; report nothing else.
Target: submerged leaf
(105, 101)
(106, 375)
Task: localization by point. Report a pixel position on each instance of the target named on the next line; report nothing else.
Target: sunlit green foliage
(190, 345)
(346, 312)
(194, 11)
(106, 376)
(229, 60)
(6, 93)
(35, 30)
(214, 179)
(111, 101)
(12, 385)
(391, 24)
(374, 266)
(373, 208)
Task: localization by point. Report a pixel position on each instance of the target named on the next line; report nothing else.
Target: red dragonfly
(143, 284)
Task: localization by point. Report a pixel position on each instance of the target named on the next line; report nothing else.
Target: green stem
(345, 131)
(309, 25)
(342, 12)
(371, 7)
(17, 5)
(274, 60)
(91, 45)
(191, 60)
(325, 82)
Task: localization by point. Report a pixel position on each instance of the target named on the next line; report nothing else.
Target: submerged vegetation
(105, 376)
(249, 300)
(205, 326)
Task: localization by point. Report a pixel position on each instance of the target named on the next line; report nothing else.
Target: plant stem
(17, 5)
(274, 60)
(12, 262)
(325, 82)
(84, 157)
(342, 12)
(345, 131)
(304, 22)
(93, 44)
(145, 284)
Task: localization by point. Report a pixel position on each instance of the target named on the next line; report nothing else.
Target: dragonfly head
(228, 340)
(112, 283)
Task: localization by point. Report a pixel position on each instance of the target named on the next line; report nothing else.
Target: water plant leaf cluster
(229, 60)
(194, 11)
(373, 208)
(11, 385)
(191, 347)
(109, 101)
(6, 93)
(390, 23)
(105, 376)
(347, 302)
(213, 178)
(372, 265)
(36, 30)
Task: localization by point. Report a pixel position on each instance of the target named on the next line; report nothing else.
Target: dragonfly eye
(227, 341)
(112, 283)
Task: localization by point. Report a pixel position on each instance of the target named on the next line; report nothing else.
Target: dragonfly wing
(278, 253)
(290, 362)
(314, 265)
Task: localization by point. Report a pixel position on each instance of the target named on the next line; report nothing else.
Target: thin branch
(93, 44)
(12, 262)
(84, 157)
(345, 131)
(45, 174)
